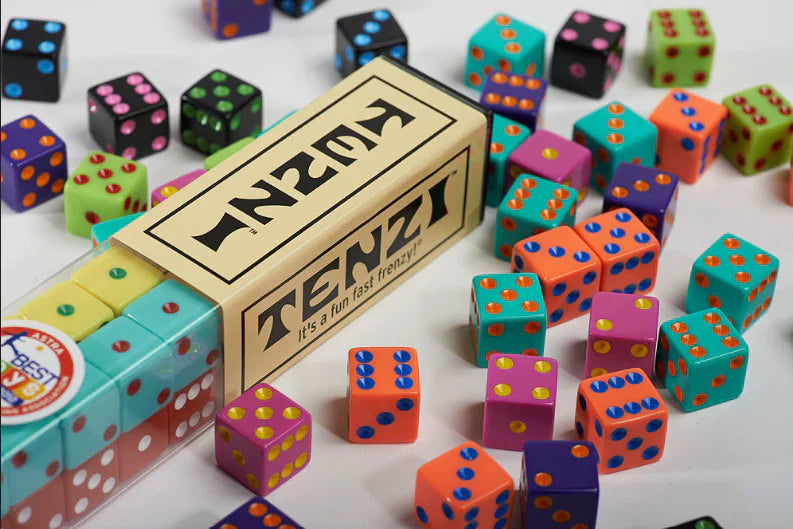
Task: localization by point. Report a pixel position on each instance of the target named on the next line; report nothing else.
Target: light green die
(680, 47)
(506, 136)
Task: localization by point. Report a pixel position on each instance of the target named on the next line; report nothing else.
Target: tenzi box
(125, 355)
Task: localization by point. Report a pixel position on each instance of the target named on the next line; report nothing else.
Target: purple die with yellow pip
(33, 163)
(514, 96)
(255, 514)
(234, 18)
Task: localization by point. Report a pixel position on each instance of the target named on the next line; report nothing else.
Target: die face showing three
(298, 8)
(34, 59)
(229, 19)
(680, 47)
(362, 37)
(256, 513)
(505, 138)
(515, 96)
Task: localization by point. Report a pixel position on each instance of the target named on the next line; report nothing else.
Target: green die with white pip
(505, 138)
(680, 47)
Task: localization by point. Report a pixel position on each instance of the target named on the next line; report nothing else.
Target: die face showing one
(520, 402)
(623, 329)
(505, 138)
(587, 54)
(32, 456)
(759, 129)
(228, 19)
(104, 230)
(44, 508)
(680, 47)
(705, 522)
(255, 513)
(504, 44)
(735, 276)
(34, 59)
(362, 37)
(689, 133)
(215, 158)
(87, 486)
(568, 269)
(515, 96)
(33, 162)
(702, 359)
(463, 486)
(384, 395)
(168, 189)
(507, 316)
(140, 447)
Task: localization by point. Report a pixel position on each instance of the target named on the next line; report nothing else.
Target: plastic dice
(68, 308)
(680, 47)
(256, 513)
(228, 19)
(505, 138)
(704, 522)
(363, 36)
(34, 59)
(517, 97)
(104, 230)
(168, 189)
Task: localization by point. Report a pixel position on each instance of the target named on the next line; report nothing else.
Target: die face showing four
(504, 44)
(228, 19)
(759, 129)
(587, 54)
(255, 513)
(515, 96)
(297, 8)
(680, 47)
(705, 522)
(520, 401)
(463, 486)
(735, 276)
(702, 359)
(168, 189)
(362, 37)
(384, 395)
(104, 230)
(505, 138)
(34, 59)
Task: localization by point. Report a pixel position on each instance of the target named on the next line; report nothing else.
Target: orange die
(622, 414)
(383, 395)
(463, 488)
(627, 250)
(568, 269)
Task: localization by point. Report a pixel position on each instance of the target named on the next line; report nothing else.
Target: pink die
(168, 189)
(552, 157)
(520, 402)
(623, 329)
(262, 439)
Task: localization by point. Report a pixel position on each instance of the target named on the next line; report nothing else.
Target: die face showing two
(297, 8)
(255, 513)
(32, 458)
(104, 230)
(520, 402)
(505, 138)
(680, 47)
(168, 189)
(735, 276)
(463, 486)
(34, 59)
(384, 395)
(362, 37)
(515, 96)
(229, 19)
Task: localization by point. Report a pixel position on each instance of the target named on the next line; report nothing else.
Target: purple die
(559, 485)
(623, 329)
(649, 193)
(514, 96)
(520, 402)
(232, 18)
(33, 163)
(255, 514)
(262, 438)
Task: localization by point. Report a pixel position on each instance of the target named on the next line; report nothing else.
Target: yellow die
(69, 308)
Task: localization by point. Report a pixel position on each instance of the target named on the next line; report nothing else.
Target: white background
(733, 461)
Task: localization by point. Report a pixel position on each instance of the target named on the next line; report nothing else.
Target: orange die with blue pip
(383, 395)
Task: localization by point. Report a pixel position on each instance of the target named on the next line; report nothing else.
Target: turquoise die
(5, 501)
(102, 231)
(532, 205)
(505, 138)
(507, 315)
(31, 455)
(735, 276)
(702, 359)
(507, 44)
(615, 134)
(187, 322)
(138, 362)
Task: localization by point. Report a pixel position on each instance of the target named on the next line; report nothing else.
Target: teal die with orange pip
(507, 315)
(505, 138)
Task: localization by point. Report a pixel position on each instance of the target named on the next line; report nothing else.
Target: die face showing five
(255, 513)
(735, 276)
(505, 138)
(520, 401)
(104, 230)
(702, 359)
(680, 47)
(297, 8)
(362, 37)
(34, 59)
(515, 96)
(228, 19)
(384, 395)
(168, 189)
(88, 485)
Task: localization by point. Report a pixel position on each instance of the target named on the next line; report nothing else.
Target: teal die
(507, 44)
(31, 456)
(505, 138)
(5, 501)
(735, 276)
(507, 315)
(615, 134)
(701, 359)
(532, 205)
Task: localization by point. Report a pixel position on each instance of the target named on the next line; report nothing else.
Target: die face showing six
(759, 129)
(297, 8)
(255, 513)
(463, 486)
(515, 96)
(587, 54)
(34, 59)
(32, 457)
(193, 406)
(384, 395)
(362, 37)
(44, 508)
(505, 138)
(88, 485)
(520, 401)
(735, 276)
(228, 19)
(702, 359)
(168, 189)
(104, 230)
(705, 522)
(680, 47)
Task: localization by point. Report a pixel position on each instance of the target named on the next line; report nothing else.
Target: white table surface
(733, 461)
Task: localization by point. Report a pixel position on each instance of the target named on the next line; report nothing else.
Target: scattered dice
(297, 8)
(256, 513)
(164, 191)
(680, 47)
(229, 18)
(34, 59)
(515, 96)
(505, 138)
(705, 522)
(104, 230)
(362, 37)
(68, 308)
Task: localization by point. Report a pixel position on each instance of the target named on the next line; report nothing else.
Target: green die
(532, 205)
(680, 47)
(103, 187)
(226, 152)
(701, 359)
(507, 44)
(615, 134)
(507, 315)
(735, 276)
(759, 129)
(505, 138)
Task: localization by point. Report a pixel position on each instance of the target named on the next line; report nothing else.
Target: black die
(297, 8)
(587, 54)
(361, 38)
(33, 59)
(218, 110)
(128, 116)
(706, 522)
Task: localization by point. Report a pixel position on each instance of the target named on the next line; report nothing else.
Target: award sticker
(41, 369)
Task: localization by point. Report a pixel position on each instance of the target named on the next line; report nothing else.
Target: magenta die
(514, 96)
(169, 188)
(623, 329)
(262, 439)
(552, 157)
(520, 402)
